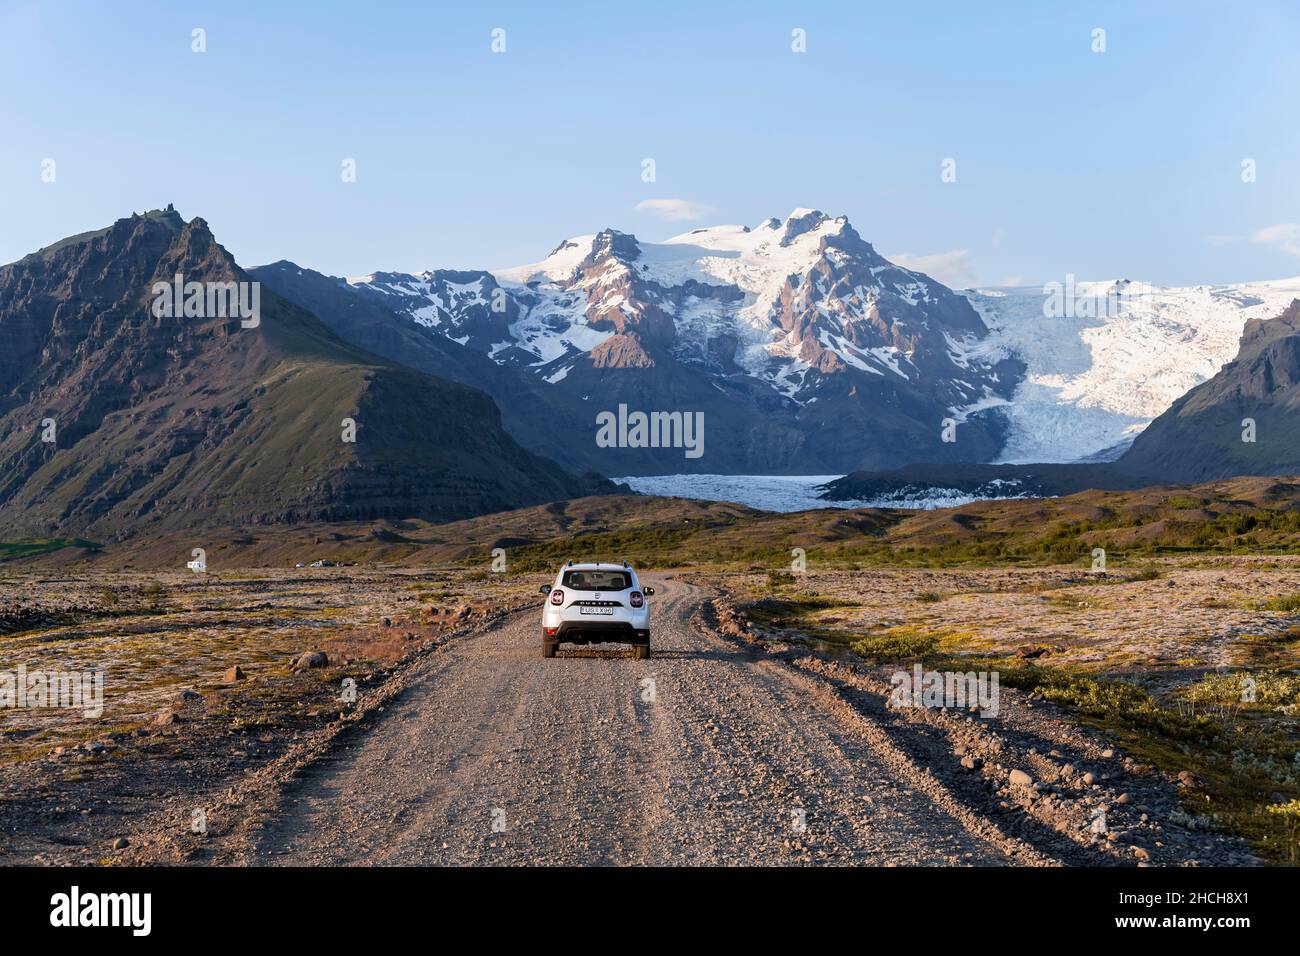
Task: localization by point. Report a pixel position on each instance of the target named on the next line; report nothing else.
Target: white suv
(595, 604)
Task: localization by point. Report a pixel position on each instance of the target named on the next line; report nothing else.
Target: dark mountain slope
(166, 422)
(902, 486)
(1199, 438)
(530, 410)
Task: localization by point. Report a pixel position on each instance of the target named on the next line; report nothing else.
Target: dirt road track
(704, 754)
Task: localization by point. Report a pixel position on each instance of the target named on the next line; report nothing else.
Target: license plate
(595, 610)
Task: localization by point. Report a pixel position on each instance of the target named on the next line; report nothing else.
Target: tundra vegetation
(1194, 670)
(1200, 592)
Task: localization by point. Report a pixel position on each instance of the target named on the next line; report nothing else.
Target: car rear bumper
(596, 632)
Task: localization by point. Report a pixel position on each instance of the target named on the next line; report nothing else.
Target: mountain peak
(800, 222)
(611, 242)
(784, 331)
(81, 343)
(168, 218)
(803, 212)
(168, 215)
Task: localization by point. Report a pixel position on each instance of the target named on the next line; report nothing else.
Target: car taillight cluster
(557, 596)
(637, 599)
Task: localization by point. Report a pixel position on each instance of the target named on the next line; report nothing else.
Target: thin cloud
(1284, 235)
(953, 269)
(674, 210)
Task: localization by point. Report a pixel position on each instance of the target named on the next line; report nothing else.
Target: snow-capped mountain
(777, 302)
(814, 353)
(811, 349)
(1094, 381)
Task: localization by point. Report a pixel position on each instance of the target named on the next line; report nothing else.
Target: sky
(1061, 159)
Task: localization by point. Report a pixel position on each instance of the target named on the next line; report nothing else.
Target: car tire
(549, 648)
(641, 651)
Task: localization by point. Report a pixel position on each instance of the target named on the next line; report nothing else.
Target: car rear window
(597, 580)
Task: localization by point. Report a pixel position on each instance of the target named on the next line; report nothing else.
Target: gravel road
(704, 754)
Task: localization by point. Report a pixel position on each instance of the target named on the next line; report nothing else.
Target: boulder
(310, 659)
(1021, 779)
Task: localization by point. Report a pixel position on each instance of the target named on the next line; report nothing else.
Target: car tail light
(557, 597)
(550, 631)
(637, 599)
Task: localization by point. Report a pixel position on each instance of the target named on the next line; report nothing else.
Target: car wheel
(549, 648)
